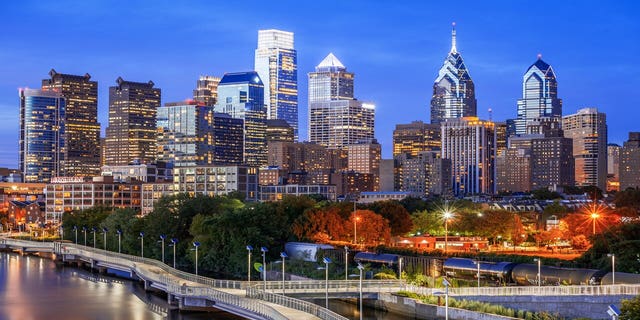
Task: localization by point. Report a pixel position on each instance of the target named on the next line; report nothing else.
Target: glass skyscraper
(453, 91)
(588, 129)
(276, 62)
(82, 128)
(330, 81)
(539, 95)
(42, 135)
(241, 96)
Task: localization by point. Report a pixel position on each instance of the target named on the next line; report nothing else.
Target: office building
(364, 157)
(146, 172)
(279, 130)
(416, 137)
(453, 90)
(424, 174)
(470, 145)
(206, 91)
(276, 62)
(131, 134)
(278, 192)
(613, 167)
(330, 81)
(387, 175)
(241, 96)
(539, 95)
(217, 181)
(42, 135)
(82, 128)
(630, 162)
(192, 134)
(513, 170)
(588, 129)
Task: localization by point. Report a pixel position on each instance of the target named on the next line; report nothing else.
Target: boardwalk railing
(618, 289)
(369, 286)
(307, 307)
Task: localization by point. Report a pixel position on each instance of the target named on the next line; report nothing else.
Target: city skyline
(588, 52)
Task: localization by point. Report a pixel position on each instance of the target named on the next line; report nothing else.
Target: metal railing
(297, 304)
(603, 290)
(302, 286)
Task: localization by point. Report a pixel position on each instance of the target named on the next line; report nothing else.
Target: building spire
(453, 38)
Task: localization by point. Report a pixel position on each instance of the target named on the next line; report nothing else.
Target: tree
(545, 194)
(629, 198)
(319, 225)
(621, 240)
(372, 228)
(398, 217)
(427, 222)
(413, 204)
(630, 309)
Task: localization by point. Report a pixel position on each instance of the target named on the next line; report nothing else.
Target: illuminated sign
(67, 180)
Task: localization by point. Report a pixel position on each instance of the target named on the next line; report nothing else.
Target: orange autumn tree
(319, 225)
(372, 228)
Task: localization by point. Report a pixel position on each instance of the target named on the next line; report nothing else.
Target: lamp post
(93, 230)
(283, 255)
(446, 215)
(104, 237)
(361, 268)
(613, 267)
(326, 281)
(174, 241)
(119, 232)
(264, 267)
(196, 244)
(477, 263)
(142, 244)
(249, 249)
(346, 263)
(162, 237)
(84, 230)
(400, 268)
(75, 230)
(539, 276)
(446, 284)
(61, 231)
(594, 216)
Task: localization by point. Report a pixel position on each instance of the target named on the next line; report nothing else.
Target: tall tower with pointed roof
(539, 95)
(453, 91)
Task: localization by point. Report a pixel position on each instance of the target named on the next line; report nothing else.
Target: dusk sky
(395, 48)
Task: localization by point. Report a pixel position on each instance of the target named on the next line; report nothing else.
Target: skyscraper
(276, 62)
(42, 135)
(191, 134)
(131, 134)
(336, 118)
(82, 129)
(416, 137)
(539, 95)
(364, 157)
(453, 91)
(206, 91)
(630, 162)
(470, 145)
(241, 96)
(588, 129)
(613, 167)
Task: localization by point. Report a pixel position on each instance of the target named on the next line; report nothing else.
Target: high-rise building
(539, 95)
(82, 128)
(279, 130)
(453, 90)
(131, 134)
(630, 162)
(588, 129)
(276, 62)
(502, 136)
(206, 91)
(364, 157)
(425, 173)
(42, 135)
(613, 167)
(336, 118)
(241, 95)
(192, 134)
(416, 137)
(513, 170)
(470, 145)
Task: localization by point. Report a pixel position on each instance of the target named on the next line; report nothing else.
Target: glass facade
(276, 62)
(453, 91)
(42, 135)
(539, 96)
(330, 81)
(588, 129)
(241, 96)
(206, 91)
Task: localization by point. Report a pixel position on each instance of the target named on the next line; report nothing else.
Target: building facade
(241, 96)
(206, 91)
(364, 157)
(470, 145)
(146, 172)
(42, 135)
(539, 95)
(425, 174)
(453, 90)
(82, 128)
(276, 62)
(131, 134)
(588, 129)
(278, 192)
(279, 130)
(416, 137)
(630, 162)
(217, 180)
(613, 167)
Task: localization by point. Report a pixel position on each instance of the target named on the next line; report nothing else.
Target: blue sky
(395, 48)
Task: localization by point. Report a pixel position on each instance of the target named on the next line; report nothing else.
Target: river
(33, 288)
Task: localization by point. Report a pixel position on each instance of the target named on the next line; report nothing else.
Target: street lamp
(93, 230)
(196, 244)
(346, 263)
(249, 249)
(61, 231)
(477, 263)
(162, 237)
(613, 267)
(361, 268)
(104, 237)
(84, 230)
(539, 276)
(174, 241)
(594, 216)
(142, 244)
(283, 255)
(264, 267)
(326, 281)
(446, 215)
(119, 232)
(446, 284)
(75, 230)
(400, 268)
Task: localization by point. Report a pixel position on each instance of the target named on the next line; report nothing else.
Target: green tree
(413, 204)
(630, 309)
(621, 240)
(398, 217)
(427, 222)
(545, 194)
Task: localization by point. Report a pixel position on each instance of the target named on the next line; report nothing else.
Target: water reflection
(350, 310)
